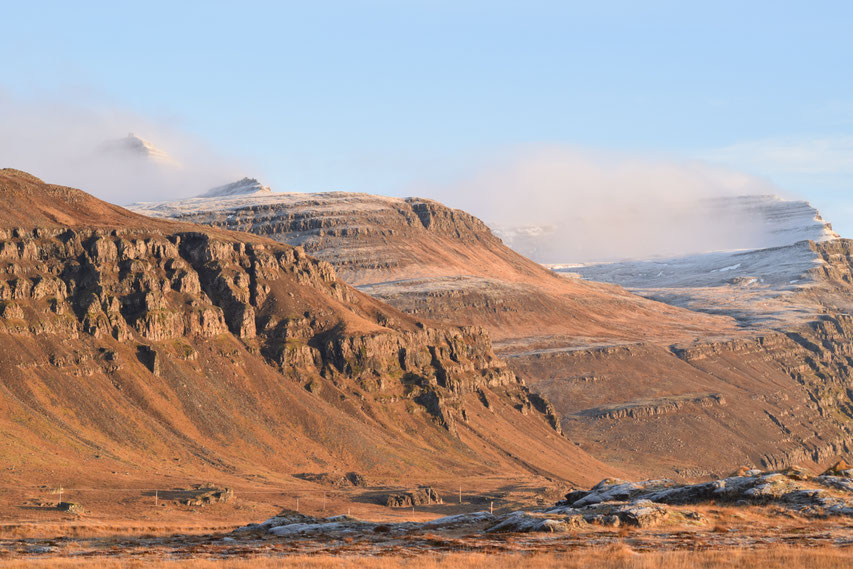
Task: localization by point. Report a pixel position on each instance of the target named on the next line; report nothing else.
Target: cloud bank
(563, 205)
(76, 145)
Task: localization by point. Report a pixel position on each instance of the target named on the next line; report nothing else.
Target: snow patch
(244, 187)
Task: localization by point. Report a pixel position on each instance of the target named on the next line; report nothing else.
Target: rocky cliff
(140, 341)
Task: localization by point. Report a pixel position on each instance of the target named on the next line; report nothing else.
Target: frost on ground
(756, 287)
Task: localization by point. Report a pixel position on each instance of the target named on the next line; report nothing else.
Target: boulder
(417, 497)
(70, 507)
(796, 473)
(840, 468)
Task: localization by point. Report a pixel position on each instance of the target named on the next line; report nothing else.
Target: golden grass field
(605, 558)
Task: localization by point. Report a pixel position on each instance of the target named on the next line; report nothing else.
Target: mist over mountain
(564, 205)
(90, 148)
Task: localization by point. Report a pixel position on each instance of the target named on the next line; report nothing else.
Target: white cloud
(66, 143)
(602, 205)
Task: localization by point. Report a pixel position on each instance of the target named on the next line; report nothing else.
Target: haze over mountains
(134, 148)
(440, 263)
(721, 224)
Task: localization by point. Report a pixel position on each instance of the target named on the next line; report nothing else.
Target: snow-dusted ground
(295, 203)
(757, 286)
(778, 267)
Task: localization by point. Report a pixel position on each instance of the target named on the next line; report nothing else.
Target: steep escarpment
(128, 340)
(786, 385)
(443, 264)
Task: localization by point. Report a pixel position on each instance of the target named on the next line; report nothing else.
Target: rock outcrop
(417, 497)
(818, 496)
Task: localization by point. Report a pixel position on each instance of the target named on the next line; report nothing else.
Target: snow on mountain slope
(440, 263)
(756, 287)
(244, 187)
(134, 147)
(668, 230)
(289, 202)
(777, 221)
(756, 283)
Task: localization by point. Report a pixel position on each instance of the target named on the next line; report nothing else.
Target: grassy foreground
(606, 558)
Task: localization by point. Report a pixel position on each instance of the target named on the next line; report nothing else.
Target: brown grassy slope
(28, 202)
(618, 557)
(83, 309)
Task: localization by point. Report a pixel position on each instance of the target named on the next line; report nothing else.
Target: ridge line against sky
(388, 97)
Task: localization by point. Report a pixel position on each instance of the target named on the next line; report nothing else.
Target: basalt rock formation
(147, 342)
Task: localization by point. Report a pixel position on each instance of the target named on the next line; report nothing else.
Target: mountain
(780, 284)
(660, 387)
(760, 288)
(132, 347)
(788, 377)
(244, 187)
(135, 148)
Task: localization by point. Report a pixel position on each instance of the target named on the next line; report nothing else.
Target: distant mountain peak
(133, 146)
(244, 187)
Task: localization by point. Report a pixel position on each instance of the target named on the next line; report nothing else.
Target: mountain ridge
(396, 249)
(139, 341)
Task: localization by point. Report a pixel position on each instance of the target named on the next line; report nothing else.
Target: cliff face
(367, 238)
(140, 341)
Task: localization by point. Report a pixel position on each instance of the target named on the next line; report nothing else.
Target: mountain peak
(133, 146)
(244, 187)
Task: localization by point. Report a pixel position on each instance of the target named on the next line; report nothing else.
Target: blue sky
(388, 97)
